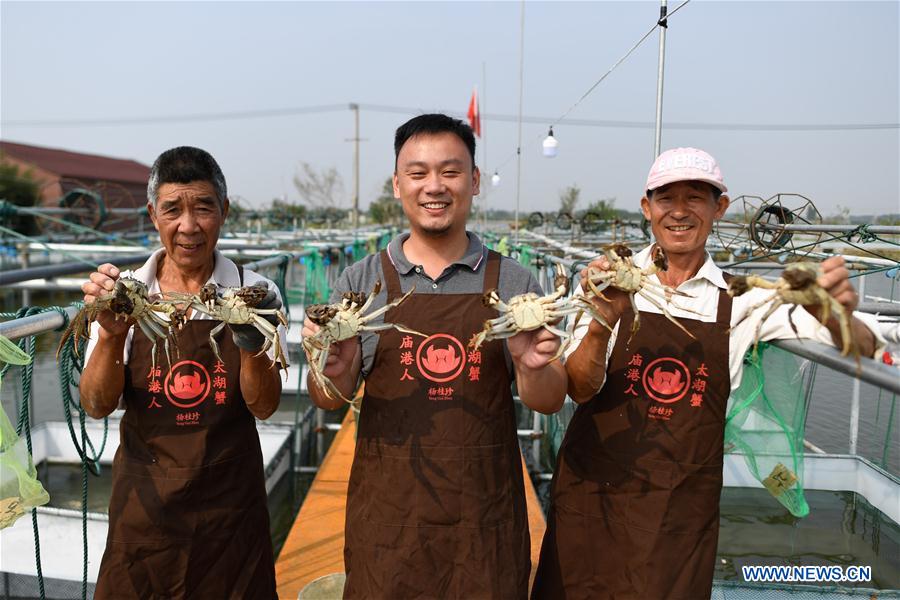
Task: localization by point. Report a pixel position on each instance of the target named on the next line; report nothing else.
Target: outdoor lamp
(550, 145)
(495, 179)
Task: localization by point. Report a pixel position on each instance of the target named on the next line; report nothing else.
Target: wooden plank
(315, 544)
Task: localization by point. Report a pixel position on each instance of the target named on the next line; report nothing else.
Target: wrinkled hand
(103, 281)
(248, 337)
(533, 349)
(835, 278)
(340, 355)
(618, 300)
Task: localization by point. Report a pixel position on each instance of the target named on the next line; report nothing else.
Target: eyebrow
(423, 165)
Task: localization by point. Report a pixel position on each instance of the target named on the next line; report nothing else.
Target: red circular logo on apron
(187, 384)
(666, 380)
(444, 358)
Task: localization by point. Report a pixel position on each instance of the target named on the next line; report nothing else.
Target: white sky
(749, 63)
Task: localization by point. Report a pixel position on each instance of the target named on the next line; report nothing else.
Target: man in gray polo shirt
(436, 503)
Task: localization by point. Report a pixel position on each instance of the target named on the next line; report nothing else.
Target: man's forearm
(862, 337)
(103, 378)
(345, 382)
(260, 384)
(586, 367)
(544, 389)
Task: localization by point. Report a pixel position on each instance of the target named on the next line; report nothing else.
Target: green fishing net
(765, 422)
(316, 288)
(20, 490)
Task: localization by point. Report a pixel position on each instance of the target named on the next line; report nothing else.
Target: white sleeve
(580, 330)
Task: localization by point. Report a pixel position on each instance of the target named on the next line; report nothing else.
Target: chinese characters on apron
(187, 515)
(436, 502)
(635, 496)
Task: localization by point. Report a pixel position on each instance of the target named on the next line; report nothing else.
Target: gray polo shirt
(465, 276)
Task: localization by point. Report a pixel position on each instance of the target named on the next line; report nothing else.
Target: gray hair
(185, 164)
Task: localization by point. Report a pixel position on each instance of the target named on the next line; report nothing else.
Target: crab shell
(527, 312)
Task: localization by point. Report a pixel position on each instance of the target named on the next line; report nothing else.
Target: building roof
(77, 164)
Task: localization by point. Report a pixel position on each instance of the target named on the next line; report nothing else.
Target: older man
(436, 501)
(188, 515)
(635, 501)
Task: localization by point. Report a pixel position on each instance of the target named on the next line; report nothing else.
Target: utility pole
(663, 26)
(355, 218)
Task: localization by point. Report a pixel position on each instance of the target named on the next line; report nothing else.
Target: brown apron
(436, 500)
(188, 515)
(635, 496)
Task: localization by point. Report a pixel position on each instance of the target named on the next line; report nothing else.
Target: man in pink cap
(635, 500)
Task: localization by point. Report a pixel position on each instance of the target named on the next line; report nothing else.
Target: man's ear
(645, 207)
(396, 183)
(151, 211)
(723, 203)
(225, 206)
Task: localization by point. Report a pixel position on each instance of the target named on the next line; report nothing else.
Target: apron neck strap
(492, 271)
(723, 312)
(391, 278)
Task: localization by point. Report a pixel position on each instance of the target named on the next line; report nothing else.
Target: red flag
(474, 114)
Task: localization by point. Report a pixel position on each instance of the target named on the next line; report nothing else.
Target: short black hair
(716, 192)
(185, 164)
(433, 124)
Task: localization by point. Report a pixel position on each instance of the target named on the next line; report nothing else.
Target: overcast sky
(746, 64)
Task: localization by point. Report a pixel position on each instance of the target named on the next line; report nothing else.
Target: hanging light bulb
(495, 179)
(551, 146)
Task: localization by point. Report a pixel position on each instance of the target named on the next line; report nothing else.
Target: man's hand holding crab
(103, 281)
(342, 367)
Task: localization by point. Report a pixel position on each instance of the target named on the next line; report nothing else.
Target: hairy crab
(624, 275)
(797, 285)
(128, 300)
(235, 306)
(342, 321)
(527, 312)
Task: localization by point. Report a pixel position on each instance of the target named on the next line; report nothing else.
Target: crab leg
(666, 313)
(212, 340)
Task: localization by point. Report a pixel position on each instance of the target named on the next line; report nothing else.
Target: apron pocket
(487, 491)
(414, 491)
(146, 509)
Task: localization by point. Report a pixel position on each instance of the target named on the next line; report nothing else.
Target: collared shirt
(225, 274)
(464, 276)
(704, 287)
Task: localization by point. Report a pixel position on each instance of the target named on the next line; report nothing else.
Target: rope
(27, 345)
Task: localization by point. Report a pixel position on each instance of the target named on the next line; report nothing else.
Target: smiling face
(682, 214)
(188, 217)
(435, 181)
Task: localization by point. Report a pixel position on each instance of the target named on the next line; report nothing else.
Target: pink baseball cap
(684, 164)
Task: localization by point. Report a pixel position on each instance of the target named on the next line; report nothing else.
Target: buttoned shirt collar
(224, 274)
(472, 258)
(708, 271)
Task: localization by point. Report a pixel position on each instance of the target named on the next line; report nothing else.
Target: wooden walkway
(315, 545)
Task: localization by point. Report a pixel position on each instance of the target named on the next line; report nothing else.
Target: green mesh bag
(316, 289)
(20, 490)
(765, 422)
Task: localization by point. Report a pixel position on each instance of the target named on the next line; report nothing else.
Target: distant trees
(19, 187)
(568, 199)
(386, 210)
(319, 189)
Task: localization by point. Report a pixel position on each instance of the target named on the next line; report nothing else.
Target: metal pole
(355, 108)
(23, 260)
(854, 397)
(320, 435)
(663, 25)
(521, 87)
(485, 188)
